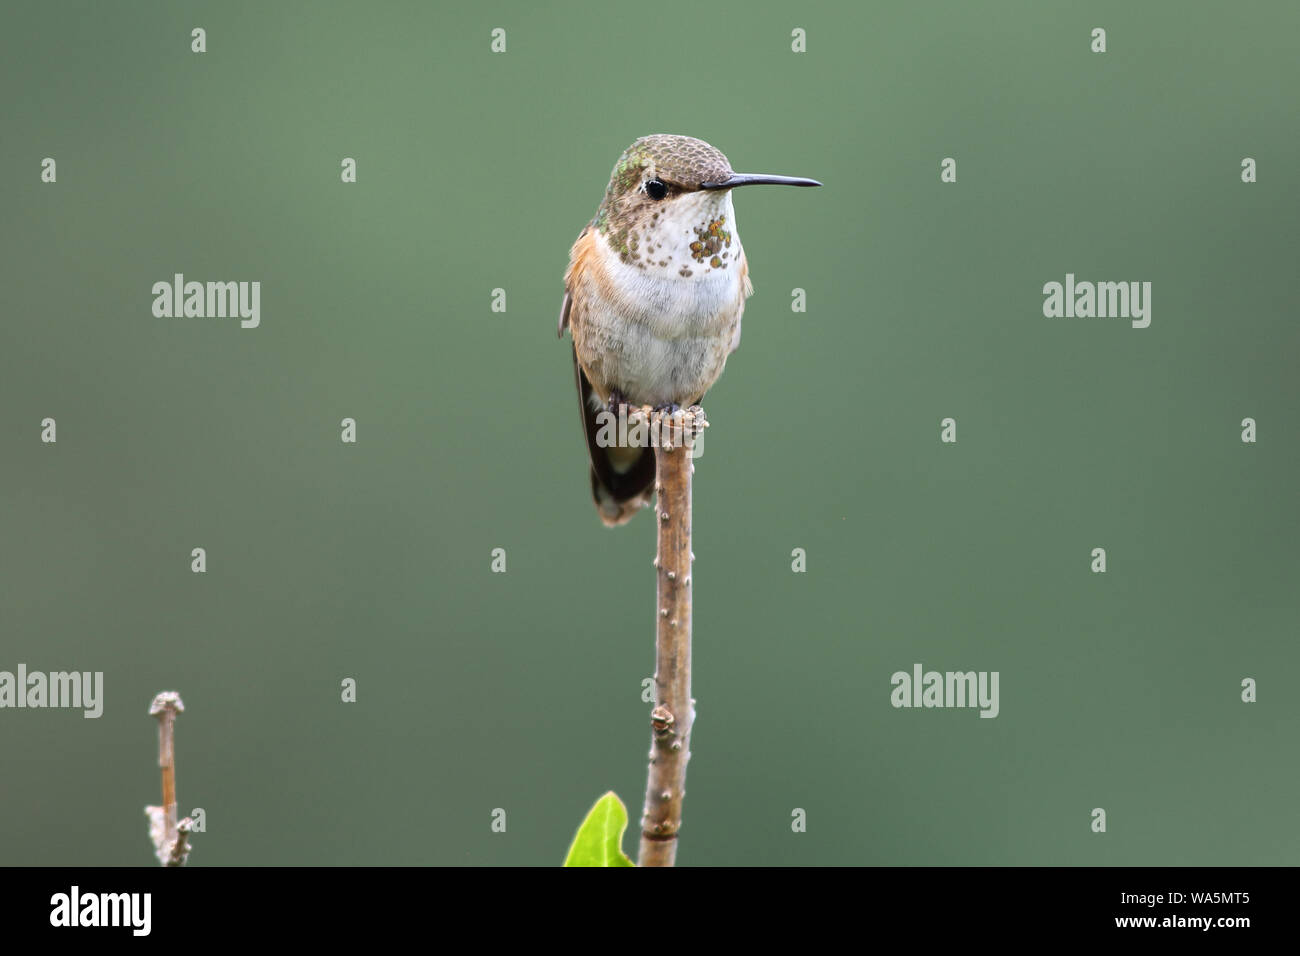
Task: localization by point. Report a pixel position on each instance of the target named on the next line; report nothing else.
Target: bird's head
(668, 204)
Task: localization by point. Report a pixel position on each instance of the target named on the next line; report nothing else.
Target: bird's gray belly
(656, 371)
(665, 341)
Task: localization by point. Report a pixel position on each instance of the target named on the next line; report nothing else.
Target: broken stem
(170, 838)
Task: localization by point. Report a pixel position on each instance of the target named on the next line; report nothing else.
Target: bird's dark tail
(622, 479)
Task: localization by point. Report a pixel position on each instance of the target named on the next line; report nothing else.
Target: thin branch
(170, 838)
(674, 711)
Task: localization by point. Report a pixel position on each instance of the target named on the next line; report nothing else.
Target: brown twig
(674, 711)
(170, 837)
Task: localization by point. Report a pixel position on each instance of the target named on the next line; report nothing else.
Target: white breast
(676, 317)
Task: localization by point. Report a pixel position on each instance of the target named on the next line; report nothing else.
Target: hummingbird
(653, 295)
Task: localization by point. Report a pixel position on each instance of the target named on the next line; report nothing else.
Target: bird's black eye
(655, 189)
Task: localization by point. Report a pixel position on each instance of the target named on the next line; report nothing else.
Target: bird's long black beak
(758, 179)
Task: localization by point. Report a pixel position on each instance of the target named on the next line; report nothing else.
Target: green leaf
(599, 841)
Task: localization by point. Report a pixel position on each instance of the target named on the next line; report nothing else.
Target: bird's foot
(618, 405)
(617, 401)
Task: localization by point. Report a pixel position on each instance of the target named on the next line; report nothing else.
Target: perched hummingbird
(653, 295)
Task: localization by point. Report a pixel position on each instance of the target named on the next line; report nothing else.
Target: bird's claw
(616, 401)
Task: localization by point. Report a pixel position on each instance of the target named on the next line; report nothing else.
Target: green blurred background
(521, 690)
